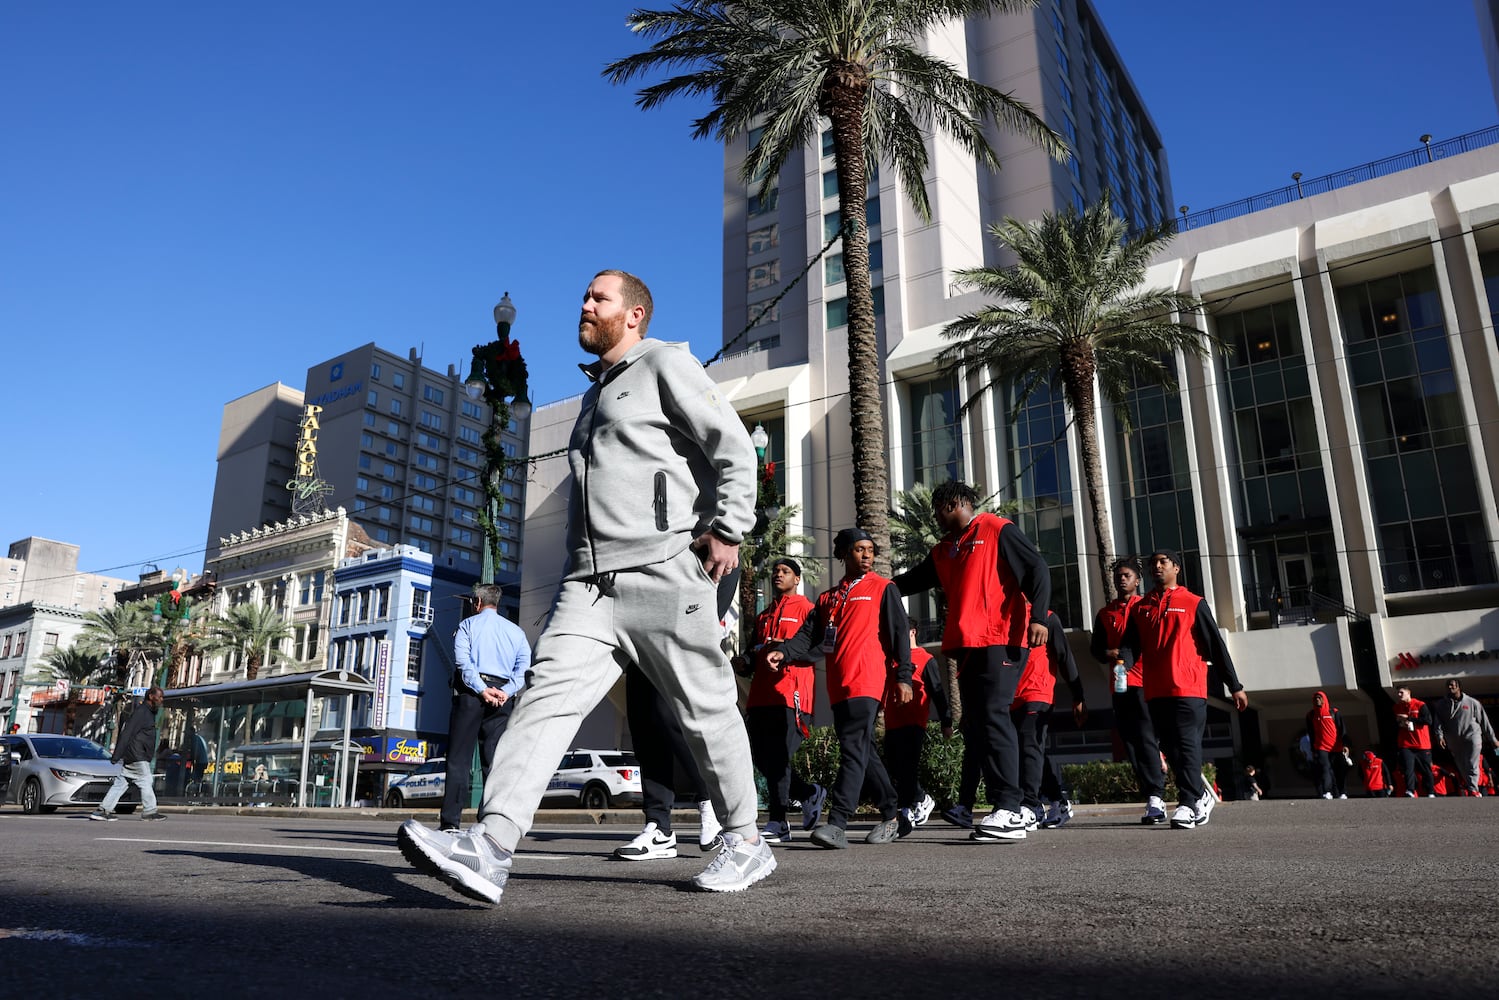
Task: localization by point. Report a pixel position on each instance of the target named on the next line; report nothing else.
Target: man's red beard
(598, 336)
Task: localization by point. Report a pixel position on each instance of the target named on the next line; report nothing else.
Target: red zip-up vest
(856, 666)
(775, 688)
(985, 606)
(1114, 617)
(1173, 667)
(918, 710)
(1416, 739)
(1038, 681)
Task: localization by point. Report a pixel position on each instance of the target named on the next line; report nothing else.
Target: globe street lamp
(498, 377)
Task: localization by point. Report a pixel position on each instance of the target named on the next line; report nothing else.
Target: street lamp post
(767, 509)
(498, 377)
(172, 611)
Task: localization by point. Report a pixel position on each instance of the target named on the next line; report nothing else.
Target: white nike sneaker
(650, 845)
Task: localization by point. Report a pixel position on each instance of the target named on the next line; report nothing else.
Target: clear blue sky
(197, 200)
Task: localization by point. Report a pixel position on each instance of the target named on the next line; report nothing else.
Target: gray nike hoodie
(658, 456)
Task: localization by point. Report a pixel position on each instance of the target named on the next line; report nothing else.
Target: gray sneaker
(152, 816)
(467, 861)
(884, 832)
(834, 838)
(738, 866)
(102, 816)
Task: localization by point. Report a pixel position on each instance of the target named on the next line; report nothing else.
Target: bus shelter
(230, 752)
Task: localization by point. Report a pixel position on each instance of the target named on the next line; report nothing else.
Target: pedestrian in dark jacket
(134, 750)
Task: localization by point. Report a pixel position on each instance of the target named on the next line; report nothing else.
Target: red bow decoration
(511, 351)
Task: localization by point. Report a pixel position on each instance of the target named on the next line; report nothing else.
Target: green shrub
(1108, 781)
(817, 758)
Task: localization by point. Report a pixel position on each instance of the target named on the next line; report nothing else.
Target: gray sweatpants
(664, 619)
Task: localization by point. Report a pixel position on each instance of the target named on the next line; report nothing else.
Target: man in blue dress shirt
(492, 656)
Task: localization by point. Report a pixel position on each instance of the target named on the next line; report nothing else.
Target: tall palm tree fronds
(783, 66)
(255, 631)
(1073, 309)
(77, 664)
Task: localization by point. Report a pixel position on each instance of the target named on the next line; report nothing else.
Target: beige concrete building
(46, 572)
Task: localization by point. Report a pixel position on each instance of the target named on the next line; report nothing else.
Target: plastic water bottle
(1121, 676)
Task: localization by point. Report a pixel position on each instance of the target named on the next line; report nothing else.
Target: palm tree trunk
(842, 101)
(1077, 377)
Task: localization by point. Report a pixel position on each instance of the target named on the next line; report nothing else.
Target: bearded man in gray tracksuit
(663, 491)
(1463, 727)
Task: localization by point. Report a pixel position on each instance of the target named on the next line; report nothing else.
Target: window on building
(432, 420)
(759, 205)
(765, 312)
(827, 142)
(764, 275)
(387, 470)
(471, 410)
(374, 398)
(392, 450)
(365, 462)
(414, 660)
(837, 312)
(419, 523)
(936, 431)
(375, 372)
(346, 608)
(429, 441)
(428, 461)
(369, 419)
(470, 434)
(432, 394)
(366, 441)
(49, 642)
(1416, 446)
(1038, 446)
(398, 380)
(419, 602)
(382, 601)
(830, 183)
(763, 239)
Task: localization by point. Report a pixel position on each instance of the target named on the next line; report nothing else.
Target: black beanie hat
(789, 563)
(1171, 554)
(845, 540)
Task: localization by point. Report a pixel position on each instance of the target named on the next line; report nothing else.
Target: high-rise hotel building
(399, 443)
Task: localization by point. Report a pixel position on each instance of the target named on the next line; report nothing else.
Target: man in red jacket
(1131, 717)
(1031, 713)
(998, 588)
(1326, 736)
(860, 626)
(905, 734)
(1173, 632)
(1413, 739)
(780, 700)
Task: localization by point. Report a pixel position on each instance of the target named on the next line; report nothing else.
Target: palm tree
(1073, 310)
(77, 664)
(125, 630)
(786, 65)
(255, 631)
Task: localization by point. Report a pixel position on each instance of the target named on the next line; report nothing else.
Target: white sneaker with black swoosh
(738, 866)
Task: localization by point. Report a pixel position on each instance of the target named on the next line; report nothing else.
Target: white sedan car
(595, 779)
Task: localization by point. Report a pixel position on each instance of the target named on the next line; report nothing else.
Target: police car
(422, 787)
(595, 779)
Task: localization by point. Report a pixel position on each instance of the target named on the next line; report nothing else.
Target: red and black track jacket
(1324, 726)
(1173, 633)
(870, 630)
(1044, 664)
(1376, 774)
(777, 688)
(1418, 738)
(995, 581)
(926, 683)
(1108, 633)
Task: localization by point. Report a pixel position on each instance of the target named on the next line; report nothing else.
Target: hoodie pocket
(658, 501)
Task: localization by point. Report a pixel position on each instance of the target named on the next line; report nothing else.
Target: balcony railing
(1307, 187)
(1295, 606)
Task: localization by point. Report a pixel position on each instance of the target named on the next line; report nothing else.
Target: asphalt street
(1357, 898)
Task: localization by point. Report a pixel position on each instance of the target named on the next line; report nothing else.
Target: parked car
(42, 771)
(422, 787)
(595, 779)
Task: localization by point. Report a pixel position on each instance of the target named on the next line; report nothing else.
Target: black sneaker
(151, 816)
(103, 816)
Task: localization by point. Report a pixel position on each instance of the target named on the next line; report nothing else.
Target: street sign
(137, 692)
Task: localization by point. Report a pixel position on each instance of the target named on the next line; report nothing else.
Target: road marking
(295, 847)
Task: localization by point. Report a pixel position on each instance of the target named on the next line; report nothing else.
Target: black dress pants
(1137, 733)
(1032, 727)
(903, 746)
(470, 722)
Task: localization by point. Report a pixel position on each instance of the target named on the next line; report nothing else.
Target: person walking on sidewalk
(661, 749)
(905, 734)
(1413, 740)
(492, 657)
(1173, 631)
(1326, 736)
(998, 589)
(860, 627)
(662, 493)
(1031, 713)
(133, 750)
(780, 703)
(1131, 716)
(1463, 728)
